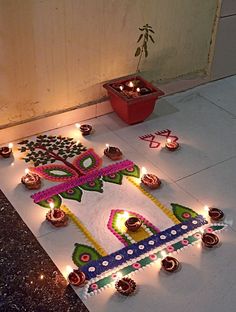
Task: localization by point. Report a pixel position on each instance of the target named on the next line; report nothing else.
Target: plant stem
(139, 60)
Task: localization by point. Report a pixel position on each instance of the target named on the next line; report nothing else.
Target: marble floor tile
(215, 187)
(205, 135)
(201, 172)
(222, 93)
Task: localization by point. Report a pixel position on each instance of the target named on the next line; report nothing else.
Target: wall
(224, 61)
(54, 54)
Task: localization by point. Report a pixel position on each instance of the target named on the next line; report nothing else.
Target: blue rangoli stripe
(97, 267)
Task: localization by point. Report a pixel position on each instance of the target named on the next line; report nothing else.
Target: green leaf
(74, 194)
(83, 254)
(150, 36)
(140, 37)
(132, 172)
(114, 178)
(138, 51)
(56, 200)
(95, 186)
(183, 213)
(23, 142)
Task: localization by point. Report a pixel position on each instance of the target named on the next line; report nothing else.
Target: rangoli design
(102, 281)
(153, 142)
(50, 156)
(83, 254)
(116, 225)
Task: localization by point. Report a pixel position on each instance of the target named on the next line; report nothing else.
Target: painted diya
(216, 214)
(114, 153)
(57, 217)
(151, 181)
(31, 181)
(170, 264)
(210, 240)
(76, 278)
(133, 224)
(125, 286)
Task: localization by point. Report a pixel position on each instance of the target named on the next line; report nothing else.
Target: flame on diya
(151, 181)
(171, 145)
(31, 181)
(112, 152)
(57, 217)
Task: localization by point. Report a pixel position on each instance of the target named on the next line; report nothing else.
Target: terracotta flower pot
(131, 105)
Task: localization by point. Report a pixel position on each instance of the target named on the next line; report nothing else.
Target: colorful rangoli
(163, 231)
(154, 139)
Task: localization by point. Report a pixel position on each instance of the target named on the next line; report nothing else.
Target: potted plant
(133, 98)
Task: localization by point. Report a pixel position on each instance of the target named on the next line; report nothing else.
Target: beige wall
(54, 54)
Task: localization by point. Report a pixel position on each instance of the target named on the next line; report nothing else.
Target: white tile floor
(201, 172)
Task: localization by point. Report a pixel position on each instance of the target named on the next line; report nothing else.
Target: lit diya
(31, 181)
(125, 286)
(76, 278)
(151, 181)
(171, 145)
(144, 91)
(86, 129)
(114, 153)
(210, 240)
(216, 214)
(133, 224)
(57, 217)
(6, 151)
(170, 264)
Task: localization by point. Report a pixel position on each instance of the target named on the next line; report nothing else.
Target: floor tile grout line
(218, 106)
(198, 200)
(42, 235)
(135, 150)
(171, 179)
(206, 168)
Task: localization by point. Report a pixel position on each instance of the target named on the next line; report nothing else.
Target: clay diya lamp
(5, 152)
(76, 278)
(57, 217)
(118, 87)
(133, 224)
(170, 264)
(114, 153)
(144, 91)
(210, 240)
(216, 214)
(130, 85)
(85, 129)
(125, 286)
(31, 181)
(151, 181)
(171, 145)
